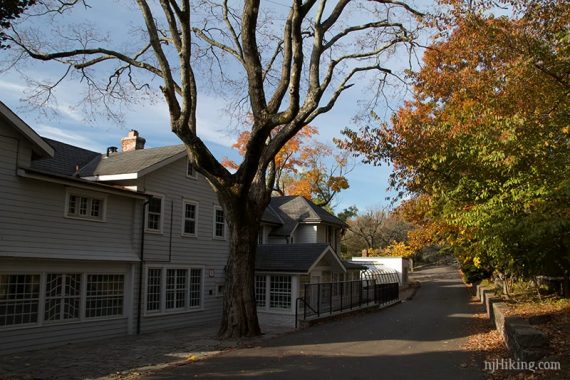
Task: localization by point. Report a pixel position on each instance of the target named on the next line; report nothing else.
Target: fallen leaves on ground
(486, 343)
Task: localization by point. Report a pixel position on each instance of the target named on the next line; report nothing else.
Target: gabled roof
(270, 216)
(39, 146)
(296, 209)
(292, 258)
(133, 164)
(66, 159)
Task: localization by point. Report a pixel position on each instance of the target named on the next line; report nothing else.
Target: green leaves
(487, 139)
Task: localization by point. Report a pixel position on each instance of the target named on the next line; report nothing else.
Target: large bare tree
(292, 65)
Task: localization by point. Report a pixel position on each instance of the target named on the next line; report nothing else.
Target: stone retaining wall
(524, 341)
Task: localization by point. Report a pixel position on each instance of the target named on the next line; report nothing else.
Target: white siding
(32, 221)
(172, 249)
(321, 233)
(16, 338)
(306, 233)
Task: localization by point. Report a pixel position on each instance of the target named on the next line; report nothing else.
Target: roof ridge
(148, 149)
(311, 206)
(99, 157)
(275, 212)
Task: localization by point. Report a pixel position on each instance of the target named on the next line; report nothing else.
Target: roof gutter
(77, 182)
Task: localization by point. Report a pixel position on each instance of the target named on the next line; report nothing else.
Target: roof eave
(327, 249)
(77, 182)
(42, 148)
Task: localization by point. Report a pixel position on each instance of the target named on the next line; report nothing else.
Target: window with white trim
(176, 289)
(84, 206)
(104, 295)
(273, 292)
(190, 171)
(260, 290)
(173, 289)
(219, 223)
(19, 299)
(190, 214)
(280, 292)
(63, 296)
(154, 284)
(154, 214)
(195, 287)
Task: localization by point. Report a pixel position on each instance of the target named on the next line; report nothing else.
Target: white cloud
(212, 121)
(66, 136)
(11, 86)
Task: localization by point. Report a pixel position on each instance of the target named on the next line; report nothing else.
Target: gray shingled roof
(65, 160)
(270, 216)
(350, 265)
(296, 258)
(130, 162)
(296, 209)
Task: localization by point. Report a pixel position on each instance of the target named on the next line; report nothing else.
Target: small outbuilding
(401, 265)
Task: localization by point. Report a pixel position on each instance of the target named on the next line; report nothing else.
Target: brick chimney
(132, 142)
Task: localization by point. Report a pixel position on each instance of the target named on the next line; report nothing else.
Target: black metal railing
(330, 297)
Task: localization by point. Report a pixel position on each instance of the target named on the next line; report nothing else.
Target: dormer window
(87, 206)
(190, 171)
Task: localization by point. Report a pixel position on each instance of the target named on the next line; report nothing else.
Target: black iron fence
(330, 297)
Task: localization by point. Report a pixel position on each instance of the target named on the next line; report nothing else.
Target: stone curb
(524, 341)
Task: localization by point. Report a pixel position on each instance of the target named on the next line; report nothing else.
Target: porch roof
(292, 258)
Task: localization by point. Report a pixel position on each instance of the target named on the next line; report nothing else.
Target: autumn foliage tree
(305, 167)
(485, 139)
(286, 66)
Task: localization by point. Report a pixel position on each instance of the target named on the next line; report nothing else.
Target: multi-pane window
(173, 289)
(260, 290)
(190, 217)
(19, 299)
(63, 296)
(190, 171)
(176, 288)
(195, 287)
(154, 281)
(154, 214)
(104, 295)
(280, 292)
(219, 223)
(85, 207)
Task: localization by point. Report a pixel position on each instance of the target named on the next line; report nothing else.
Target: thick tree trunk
(240, 315)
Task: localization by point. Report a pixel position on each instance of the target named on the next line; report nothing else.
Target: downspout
(141, 268)
(170, 236)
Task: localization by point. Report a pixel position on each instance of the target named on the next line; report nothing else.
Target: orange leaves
(304, 166)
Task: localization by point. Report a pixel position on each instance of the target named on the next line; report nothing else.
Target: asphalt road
(419, 339)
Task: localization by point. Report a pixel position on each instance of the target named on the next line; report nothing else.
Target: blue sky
(368, 185)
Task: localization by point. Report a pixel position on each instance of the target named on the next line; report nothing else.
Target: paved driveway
(420, 339)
